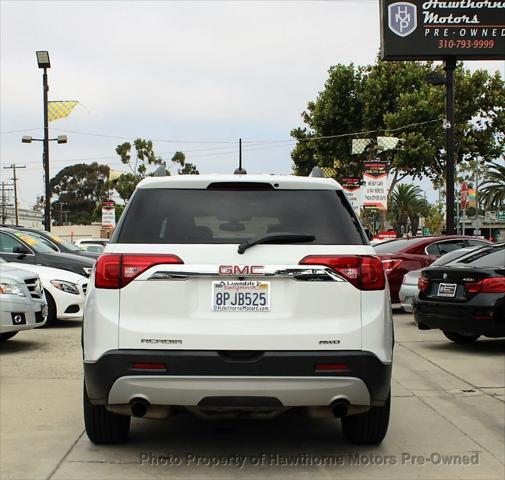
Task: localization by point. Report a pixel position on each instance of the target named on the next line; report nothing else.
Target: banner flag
(352, 190)
(60, 109)
(375, 178)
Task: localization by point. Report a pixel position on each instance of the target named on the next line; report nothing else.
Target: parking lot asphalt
(447, 422)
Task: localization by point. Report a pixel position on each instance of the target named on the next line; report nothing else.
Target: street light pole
(47, 207)
(449, 67)
(44, 63)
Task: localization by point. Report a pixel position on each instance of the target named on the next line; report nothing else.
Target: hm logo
(402, 18)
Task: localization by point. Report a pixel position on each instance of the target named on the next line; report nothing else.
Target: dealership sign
(352, 190)
(438, 29)
(375, 193)
(108, 214)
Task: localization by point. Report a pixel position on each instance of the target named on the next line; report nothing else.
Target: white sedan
(65, 291)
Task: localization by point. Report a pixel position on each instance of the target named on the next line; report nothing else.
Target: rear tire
(368, 428)
(103, 427)
(6, 335)
(460, 338)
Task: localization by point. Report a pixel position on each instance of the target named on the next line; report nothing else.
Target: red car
(403, 255)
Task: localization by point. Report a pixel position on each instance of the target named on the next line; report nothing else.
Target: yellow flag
(329, 171)
(114, 174)
(58, 110)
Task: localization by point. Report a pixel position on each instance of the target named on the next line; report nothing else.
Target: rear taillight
(390, 264)
(487, 285)
(365, 273)
(423, 283)
(115, 270)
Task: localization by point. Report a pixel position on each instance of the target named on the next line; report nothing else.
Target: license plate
(447, 289)
(240, 296)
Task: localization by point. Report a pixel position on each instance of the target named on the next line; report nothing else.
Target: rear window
(492, 257)
(394, 246)
(235, 216)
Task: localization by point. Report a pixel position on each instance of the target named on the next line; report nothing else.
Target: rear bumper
(406, 295)
(198, 378)
(466, 319)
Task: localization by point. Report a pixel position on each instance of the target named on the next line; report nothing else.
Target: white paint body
(303, 315)
(62, 299)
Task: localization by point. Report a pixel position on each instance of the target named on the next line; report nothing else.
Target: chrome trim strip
(300, 273)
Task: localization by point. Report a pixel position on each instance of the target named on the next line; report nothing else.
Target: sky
(191, 76)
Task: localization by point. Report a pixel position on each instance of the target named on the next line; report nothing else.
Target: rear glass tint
(394, 246)
(234, 216)
(489, 257)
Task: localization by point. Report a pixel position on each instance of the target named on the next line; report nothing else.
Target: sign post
(448, 31)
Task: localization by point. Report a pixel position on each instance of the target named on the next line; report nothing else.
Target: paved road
(448, 406)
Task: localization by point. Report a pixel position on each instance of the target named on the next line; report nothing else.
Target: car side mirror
(21, 250)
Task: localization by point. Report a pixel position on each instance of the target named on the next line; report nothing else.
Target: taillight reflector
(115, 270)
(364, 272)
(390, 264)
(331, 367)
(487, 285)
(149, 366)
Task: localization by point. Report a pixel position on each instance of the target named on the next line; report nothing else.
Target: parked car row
(461, 293)
(402, 255)
(42, 278)
(464, 298)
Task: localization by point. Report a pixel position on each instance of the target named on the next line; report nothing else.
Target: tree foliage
(492, 190)
(407, 204)
(388, 96)
(139, 163)
(80, 189)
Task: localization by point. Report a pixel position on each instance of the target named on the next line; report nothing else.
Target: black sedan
(55, 242)
(16, 246)
(465, 298)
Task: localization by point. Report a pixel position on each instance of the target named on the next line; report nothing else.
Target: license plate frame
(255, 296)
(447, 290)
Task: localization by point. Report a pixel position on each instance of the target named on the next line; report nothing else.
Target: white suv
(248, 293)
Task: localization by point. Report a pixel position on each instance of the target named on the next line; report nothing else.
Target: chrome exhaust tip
(139, 407)
(340, 408)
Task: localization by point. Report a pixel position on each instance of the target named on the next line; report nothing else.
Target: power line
(229, 148)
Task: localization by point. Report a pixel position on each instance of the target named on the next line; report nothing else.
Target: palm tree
(406, 203)
(492, 190)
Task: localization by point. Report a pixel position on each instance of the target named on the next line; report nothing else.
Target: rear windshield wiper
(275, 238)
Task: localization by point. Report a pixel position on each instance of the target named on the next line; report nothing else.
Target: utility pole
(449, 67)
(15, 179)
(4, 202)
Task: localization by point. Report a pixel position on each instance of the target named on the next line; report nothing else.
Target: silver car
(409, 290)
(22, 301)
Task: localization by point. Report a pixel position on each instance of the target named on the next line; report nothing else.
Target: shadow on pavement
(16, 344)
(492, 346)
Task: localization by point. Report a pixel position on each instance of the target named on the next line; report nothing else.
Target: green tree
(187, 168)
(80, 188)
(407, 203)
(391, 95)
(492, 189)
(143, 158)
(434, 219)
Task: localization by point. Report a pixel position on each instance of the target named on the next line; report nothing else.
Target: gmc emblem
(241, 270)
